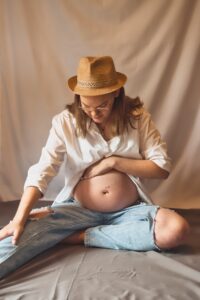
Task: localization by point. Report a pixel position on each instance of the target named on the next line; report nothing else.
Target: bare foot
(76, 238)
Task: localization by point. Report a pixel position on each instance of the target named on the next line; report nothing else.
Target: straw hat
(96, 76)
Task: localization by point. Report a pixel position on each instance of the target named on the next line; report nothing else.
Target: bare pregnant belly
(112, 191)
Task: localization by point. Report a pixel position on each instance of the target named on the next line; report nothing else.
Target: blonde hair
(125, 111)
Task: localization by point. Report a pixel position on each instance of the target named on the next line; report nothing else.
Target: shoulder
(64, 124)
(145, 119)
(135, 107)
(145, 114)
(64, 117)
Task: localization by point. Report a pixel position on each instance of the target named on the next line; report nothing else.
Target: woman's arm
(38, 178)
(152, 147)
(30, 196)
(137, 168)
(16, 226)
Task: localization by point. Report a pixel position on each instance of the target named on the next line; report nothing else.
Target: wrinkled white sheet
(156, 43)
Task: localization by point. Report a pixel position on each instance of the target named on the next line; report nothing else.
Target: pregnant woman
(108, 143)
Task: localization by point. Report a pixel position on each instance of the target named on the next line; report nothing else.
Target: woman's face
(99, 108)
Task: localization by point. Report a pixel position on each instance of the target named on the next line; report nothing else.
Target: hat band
(95, 84)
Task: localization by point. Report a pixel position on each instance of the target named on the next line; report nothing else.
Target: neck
(104, 124)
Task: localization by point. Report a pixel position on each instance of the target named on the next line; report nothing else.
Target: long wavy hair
(125, 111)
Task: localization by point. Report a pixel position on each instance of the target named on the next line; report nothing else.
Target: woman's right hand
(100, 167)
(13, 229)
(16, 226)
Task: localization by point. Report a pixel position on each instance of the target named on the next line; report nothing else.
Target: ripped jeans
(129, 229)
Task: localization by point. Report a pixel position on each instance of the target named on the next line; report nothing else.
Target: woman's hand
(16, 226)
(101, 167)
(13, 229)
(38, 213)
(136, 167)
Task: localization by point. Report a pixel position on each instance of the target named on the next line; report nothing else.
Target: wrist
(19, 220)
(113, 162)
(118, 164)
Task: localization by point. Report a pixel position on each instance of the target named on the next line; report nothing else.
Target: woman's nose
(94, 112)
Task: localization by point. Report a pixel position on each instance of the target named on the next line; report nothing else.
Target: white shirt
(78, 153)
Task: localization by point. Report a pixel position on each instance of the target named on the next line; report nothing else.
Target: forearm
(30, 196)
(139, 168)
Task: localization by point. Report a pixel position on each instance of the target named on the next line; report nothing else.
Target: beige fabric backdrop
(155, 42)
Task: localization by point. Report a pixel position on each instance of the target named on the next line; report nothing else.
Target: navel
(106, 190)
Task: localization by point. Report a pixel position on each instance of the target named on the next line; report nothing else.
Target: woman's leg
(140, 228)
(129, 229)
(171, 229)
(43, 233)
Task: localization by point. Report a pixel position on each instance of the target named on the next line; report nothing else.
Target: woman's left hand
(101, 167)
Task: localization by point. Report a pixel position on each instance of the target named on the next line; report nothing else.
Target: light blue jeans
(129, 229)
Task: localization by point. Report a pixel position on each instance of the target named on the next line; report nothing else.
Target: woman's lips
(97, 119)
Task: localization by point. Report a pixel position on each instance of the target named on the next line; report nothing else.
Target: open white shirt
(78, 153)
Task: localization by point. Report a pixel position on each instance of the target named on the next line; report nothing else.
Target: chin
(98, 120)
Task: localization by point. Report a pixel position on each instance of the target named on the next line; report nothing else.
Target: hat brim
(72, 84)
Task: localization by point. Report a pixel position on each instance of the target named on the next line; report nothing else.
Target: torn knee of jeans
(39, 213)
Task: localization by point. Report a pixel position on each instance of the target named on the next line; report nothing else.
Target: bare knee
(171, 229)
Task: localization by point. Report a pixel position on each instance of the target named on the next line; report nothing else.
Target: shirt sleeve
(152, 146)
(52, 156)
